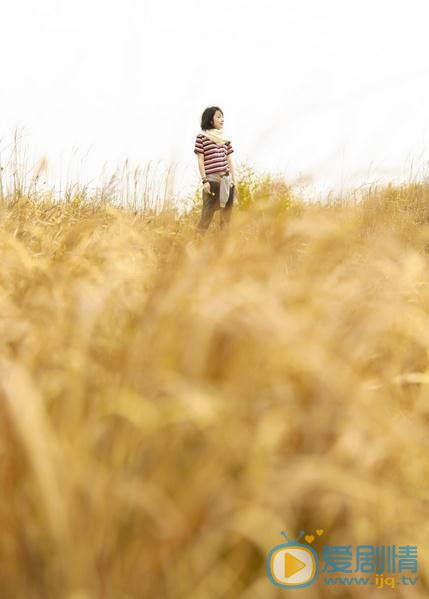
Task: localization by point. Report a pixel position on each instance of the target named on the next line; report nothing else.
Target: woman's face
(218, 120)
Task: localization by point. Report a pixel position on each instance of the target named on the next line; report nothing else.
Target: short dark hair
(207, 117)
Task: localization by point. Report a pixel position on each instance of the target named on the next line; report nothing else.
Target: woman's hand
(206, 187)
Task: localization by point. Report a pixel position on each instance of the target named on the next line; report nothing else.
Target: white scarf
(216, 135)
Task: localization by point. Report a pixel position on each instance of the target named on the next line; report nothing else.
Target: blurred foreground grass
(169, 404)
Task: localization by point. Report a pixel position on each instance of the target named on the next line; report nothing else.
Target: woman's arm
(206, 185)
(232, 169)
(201, 165)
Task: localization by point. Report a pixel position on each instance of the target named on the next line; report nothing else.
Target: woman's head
(212, 118)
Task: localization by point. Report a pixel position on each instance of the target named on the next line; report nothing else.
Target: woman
(214, 149)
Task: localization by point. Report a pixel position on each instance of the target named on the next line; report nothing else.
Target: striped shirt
(215, 160)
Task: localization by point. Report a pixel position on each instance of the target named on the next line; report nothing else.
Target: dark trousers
(211, 204)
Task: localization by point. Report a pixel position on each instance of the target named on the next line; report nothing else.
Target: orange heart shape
(319, 532)
(309, 538)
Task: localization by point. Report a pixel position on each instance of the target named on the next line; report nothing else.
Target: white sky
(337, 91)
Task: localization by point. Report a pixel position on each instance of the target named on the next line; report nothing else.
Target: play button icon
(292, 564)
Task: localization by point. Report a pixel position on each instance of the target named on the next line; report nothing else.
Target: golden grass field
(169, 403)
